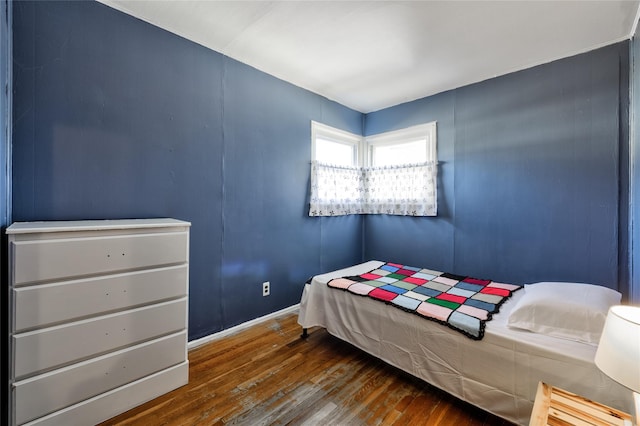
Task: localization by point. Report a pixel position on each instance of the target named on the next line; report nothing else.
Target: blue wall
(530, 176)
(5, 213)
(115, 118)
(5, 108)
(634, 148)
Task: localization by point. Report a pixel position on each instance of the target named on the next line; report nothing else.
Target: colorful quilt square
(438, 312)
(489, 298)
(405, 285)
(476, 281)
(481, 314)
(343, 283)
(430, 272)
(465, 322)
(387, 280)
(489, 307)
(380, 272)
(380, 294)
(396, 276)
(414, 280)
(361, 288)
(406, 302)
(437, 286)
(510, 287)
(405, 272)
(444, 280)
(451, 298)
(471, 287)
(424, 276)
(389, 268)
(370, 276)
(394, 289)
(495, 291)
(417, 296)
(445, 303)
(426, 291)
(461, 292)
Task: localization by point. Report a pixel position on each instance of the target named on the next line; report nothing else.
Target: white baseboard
(224, 333)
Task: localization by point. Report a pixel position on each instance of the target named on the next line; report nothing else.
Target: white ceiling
(370, 55)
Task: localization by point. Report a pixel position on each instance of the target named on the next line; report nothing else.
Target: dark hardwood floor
(268, 375)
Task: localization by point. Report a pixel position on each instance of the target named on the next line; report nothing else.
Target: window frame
(427, 131)
(323, 131)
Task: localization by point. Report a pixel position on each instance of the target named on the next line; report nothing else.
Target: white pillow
(570, 311)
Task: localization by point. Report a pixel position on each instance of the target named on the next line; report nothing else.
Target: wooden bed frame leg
(304, 334)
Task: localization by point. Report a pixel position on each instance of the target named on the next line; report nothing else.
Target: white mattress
(499, 373)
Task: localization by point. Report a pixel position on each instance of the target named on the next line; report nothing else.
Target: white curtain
(335, 190)
(407, 190)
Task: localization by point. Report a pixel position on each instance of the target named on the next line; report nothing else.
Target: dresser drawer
(45, 349)
(41, 395)
(109, 404)
(56, 259)
(47, 304)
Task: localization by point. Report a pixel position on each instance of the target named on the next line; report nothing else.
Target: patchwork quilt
(462, 303)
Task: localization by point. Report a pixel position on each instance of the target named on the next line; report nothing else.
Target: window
(335, 172)
(406, 146)
(400, 177)
(334, 146)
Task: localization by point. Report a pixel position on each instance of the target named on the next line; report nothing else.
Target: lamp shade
(618, 354)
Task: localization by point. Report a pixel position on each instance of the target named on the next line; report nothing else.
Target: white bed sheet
(499, 373)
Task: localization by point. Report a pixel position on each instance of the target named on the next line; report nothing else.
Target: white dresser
(98, 317)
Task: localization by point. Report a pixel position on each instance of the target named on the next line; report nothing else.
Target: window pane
(403, 153)
(330, 152)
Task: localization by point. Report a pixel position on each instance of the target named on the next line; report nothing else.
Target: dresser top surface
(93, 225)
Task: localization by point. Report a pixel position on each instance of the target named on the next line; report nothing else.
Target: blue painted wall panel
(634, 160)
(537, 173)
(624, 276)
(5, 192)
(5, 114)
(530, 175)
(117, 118)
(409, 240)
(268, 235)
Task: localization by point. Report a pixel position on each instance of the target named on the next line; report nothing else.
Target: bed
(498, 373)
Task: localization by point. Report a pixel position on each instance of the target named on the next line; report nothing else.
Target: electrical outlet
(266, 288)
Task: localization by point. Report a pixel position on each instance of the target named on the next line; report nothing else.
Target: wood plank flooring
(268, 375)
